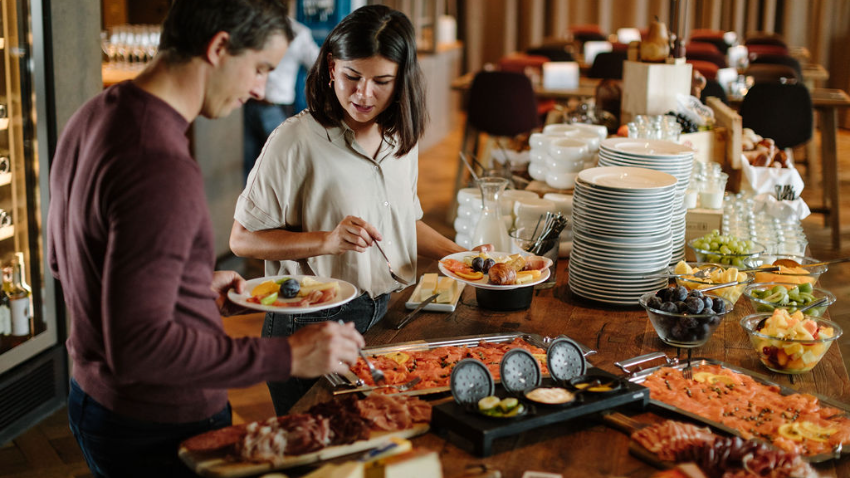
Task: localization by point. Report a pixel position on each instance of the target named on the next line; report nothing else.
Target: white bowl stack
(665, 156)
(621, 232)
(561, 151)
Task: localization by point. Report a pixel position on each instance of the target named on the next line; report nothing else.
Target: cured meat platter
(350, 379)
(219, 465)
(704, 365)
(482, 430)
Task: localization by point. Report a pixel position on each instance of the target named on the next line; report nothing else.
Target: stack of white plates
(666, 156)
(621, 232)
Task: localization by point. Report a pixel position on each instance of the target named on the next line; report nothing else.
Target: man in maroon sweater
(130, 239)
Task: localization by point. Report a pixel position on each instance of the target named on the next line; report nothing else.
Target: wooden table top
(583, 447)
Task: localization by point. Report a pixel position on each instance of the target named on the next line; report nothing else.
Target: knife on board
(418, 309)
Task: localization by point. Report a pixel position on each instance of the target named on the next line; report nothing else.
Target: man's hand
(222, 282)
(324, 348)
(351, 234)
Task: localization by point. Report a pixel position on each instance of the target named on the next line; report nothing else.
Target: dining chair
(701, 47)
(714, 37)
(713, 57)
(707, 68)
(608, 64)
(500, 104)
(764, 38)
(778, 60)
(713, 88)
(553, 52)
(757, 49)
(772, 73)
(782, 112)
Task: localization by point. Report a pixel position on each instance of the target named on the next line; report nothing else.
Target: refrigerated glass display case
(33, 367)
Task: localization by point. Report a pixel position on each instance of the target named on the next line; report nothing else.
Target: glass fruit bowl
(786, 348)
(768, 296)
(718, 274)
(725, 256)
(789, 274)
(683, 329)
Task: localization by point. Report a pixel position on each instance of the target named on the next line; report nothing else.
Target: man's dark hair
(191, 24)
(366, 32)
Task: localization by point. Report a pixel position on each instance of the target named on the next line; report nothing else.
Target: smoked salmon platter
(744, 403)
(432, 361)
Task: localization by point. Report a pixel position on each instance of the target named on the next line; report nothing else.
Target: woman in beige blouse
(343, 174)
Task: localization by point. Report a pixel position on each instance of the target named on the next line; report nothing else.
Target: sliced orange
(265, 289)
(470, 276)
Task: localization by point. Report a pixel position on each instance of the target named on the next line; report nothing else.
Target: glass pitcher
(491, 228)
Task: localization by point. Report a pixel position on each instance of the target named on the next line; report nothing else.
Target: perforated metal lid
(565, 360)
(519, 371)
(471, 381)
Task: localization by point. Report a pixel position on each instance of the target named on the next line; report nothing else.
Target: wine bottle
(5, 314)
(19, 298)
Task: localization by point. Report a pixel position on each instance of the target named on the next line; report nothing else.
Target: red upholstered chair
(701, 47)
(715, 37)
(707, 68)
(608, 65)
(587, 32)
(757, 49)
(717, 58)
(763, 38)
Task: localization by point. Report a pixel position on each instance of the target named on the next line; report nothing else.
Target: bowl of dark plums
(684, 318)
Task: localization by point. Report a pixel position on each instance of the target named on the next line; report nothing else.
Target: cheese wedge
(429, 283)
(419, 463)
(349, 469)
(446, 289)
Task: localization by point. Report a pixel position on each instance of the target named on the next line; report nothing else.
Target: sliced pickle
(488, 403)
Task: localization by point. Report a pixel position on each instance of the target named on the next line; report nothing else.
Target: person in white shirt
(261, 117)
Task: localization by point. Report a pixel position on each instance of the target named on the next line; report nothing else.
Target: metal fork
(377, 375)
(688, 371)
(390, 267)
(399, 388)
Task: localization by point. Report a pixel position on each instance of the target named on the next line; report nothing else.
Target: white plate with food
(517, 266)
(278, 294)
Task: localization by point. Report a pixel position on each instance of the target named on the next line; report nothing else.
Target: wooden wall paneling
(752, 16)
(795, 21)
(532, 24)
(559, 18)
(605, 11)
(768, 10)
(510, 27)
(660, 9)
(474, 34)
(739, 12)
(714, 12)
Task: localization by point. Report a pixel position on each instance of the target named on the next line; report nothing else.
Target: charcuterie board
(222, 464)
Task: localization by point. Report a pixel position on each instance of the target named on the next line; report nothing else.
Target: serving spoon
(793, 263)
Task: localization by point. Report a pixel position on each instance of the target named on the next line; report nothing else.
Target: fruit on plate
(505, 270)
(289, 292)
(788, 348)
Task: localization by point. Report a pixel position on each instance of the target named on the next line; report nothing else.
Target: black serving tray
(482, 430)
(639, 376)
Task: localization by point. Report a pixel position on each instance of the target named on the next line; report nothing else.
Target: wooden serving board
(219, 464)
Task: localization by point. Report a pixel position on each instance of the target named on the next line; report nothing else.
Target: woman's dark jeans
(363, 311)
(118, 446)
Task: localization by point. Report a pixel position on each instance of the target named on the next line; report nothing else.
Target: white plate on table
(347, 292)
(483, 282)
(434, 306)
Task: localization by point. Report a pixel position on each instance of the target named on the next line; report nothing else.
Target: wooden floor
(49, 450)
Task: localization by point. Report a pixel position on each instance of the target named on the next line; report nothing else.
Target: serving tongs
(706, 272)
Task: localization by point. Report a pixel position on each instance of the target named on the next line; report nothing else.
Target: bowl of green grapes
(727, 250)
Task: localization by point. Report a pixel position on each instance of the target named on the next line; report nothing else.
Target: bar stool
(500, 104)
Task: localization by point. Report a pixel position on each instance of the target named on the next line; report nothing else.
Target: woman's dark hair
(191, 24)
(369, 31)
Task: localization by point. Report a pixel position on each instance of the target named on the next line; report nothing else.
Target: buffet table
(584, 447)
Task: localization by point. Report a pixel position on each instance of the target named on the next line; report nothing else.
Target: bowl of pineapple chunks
(701, 275)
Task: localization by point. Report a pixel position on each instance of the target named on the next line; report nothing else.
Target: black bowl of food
(504, 299)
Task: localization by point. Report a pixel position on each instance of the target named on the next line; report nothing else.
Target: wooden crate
(651, 88)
